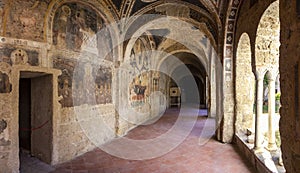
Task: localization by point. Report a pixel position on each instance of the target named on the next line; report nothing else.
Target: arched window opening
(267, 43)
(245, 86)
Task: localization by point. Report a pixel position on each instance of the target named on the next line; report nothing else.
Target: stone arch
(210, 10)
(55, 5)
(231, 19)
(245, 85)
(267, 41)
(208, 22)
(199, 50)
(226, 131)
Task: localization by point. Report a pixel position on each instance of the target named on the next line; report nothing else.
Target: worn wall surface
(25, 19)
(6, 129)
(249, 55)
(91, 95)
(289, 78)
(257, 55)
(245, 85)
(248, 21)
(23, 48)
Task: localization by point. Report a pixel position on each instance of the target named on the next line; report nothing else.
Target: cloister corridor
(188, 157)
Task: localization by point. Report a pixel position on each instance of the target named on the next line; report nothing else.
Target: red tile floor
(188, 157)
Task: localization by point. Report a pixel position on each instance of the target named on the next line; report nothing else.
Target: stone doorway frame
(16, 71)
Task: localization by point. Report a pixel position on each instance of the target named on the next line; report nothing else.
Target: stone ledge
(247, 151)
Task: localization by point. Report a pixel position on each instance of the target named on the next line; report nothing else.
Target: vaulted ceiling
(126, 7)
(208, 12)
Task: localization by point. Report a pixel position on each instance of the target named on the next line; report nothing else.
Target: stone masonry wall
(247, 23)
(77, 129)
(7, 161)
(22, 47)
(267, 40)
(289, 72)
(289, 78)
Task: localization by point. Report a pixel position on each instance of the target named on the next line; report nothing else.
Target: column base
(272, 147)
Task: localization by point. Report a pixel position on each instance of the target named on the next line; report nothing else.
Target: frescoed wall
(26, 19)
(90, 84)
(78, 27)
(139, 88)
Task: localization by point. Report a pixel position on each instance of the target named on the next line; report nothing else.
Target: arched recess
(173, 43)
(137, 82)
(245, 85)
(267, 45)
(192, 16)
(197, 73)
(94, 18)
(169, 42)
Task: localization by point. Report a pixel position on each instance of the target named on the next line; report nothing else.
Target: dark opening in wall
(25, 113)
(298, 8)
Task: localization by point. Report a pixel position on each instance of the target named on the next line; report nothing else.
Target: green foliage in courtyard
(277, 96)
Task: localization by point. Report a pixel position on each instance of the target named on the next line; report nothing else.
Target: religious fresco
(65, 79)
(76, 28)
(103, 80)
(144, 80)
(5, 54)
(26, 19)
(11, 55)
(90, 83)
(139, 58)
(19, 57)
(2, 5)
(5, 85)
(139, 88)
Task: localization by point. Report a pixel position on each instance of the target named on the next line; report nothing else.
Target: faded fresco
(103, 80)
(90, 83)
(139, 88)
(15, 56)
(2, 5)
(26, 19)
(76, 27)
(5, 85)
(65, 80)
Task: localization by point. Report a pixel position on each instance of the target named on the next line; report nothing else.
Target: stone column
(258, 115)
(271, 109)
(213, 88)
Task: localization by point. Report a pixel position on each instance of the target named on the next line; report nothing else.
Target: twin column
(259, 113)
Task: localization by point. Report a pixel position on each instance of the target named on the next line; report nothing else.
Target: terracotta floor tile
(188, 157)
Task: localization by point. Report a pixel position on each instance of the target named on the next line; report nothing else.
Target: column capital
(260, 73)
(272, 74)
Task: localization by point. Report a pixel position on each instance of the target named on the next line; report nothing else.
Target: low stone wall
(83, 128)
(250, 155)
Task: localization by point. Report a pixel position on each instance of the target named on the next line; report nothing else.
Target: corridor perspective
(162, 86)
(191, 156)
